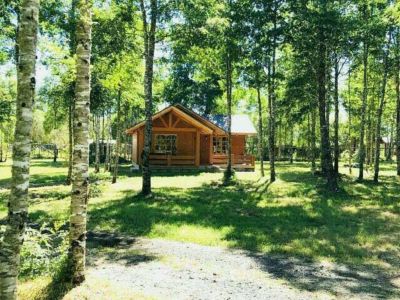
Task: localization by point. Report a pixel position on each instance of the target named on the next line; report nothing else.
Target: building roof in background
(241, 124)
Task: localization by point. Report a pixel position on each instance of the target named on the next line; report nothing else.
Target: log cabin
(183, 138)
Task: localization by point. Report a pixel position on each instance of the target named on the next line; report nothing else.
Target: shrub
(44, 251)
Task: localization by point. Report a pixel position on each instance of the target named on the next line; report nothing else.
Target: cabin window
(165, 143)
(220, 145)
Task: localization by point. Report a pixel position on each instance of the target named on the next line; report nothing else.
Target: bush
(44, 252)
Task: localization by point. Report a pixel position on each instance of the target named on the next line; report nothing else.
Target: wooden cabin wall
(186, 142)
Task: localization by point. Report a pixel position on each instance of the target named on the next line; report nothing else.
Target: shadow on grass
(114, 248)
(39, 180)
(320, 228)
(57, 287)
(49, 163)
(338, 279)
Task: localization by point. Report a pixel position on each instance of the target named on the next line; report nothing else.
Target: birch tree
(11, 243)
(80, 169)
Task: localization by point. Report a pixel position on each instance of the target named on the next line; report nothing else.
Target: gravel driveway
(161, 269)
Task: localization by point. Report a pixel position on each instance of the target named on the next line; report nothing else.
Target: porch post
(197, 158)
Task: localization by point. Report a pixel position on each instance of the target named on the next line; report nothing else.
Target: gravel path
(163, 269)
(173, 270)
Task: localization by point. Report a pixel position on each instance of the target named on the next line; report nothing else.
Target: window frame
(220, 145)
(165, 151)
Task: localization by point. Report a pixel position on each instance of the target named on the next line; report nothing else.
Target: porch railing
(171, 160)
(244, 160)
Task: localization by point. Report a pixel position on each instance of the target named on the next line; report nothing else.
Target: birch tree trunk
(260, 133)
(17, 217)
(70, 141)
(380, 109)
(149, 47)
(118, 144)
(80, 171)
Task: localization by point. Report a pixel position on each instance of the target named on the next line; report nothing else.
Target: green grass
(295, 216)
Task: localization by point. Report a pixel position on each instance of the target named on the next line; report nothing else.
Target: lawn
(295, 216)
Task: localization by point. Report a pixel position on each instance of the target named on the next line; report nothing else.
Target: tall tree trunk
(397, 79)
(279, 140)
(97, 136)
(72, 51)
(389, 152)
(380, 109)
(1, 147)
(55, 153)
(326, 158)
(260, 133)
(10, 245)
(328, 100)
(80, 170)
(126, 154)
(271, 129)
(291, 147)
(271, 100)
(363, 105)
(369, 135)
(336, 149)
(118, 144)
(107, 158)
(349, 132)
(313, 140)
(228, 172)
(149, 47)
(102, 136)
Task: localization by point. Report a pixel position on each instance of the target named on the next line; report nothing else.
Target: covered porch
(208, 150)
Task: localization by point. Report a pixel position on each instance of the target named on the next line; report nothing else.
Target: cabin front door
(205, 149)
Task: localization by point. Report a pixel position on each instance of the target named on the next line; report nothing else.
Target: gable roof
(241, 124)
(179, 112)
(200, 118)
